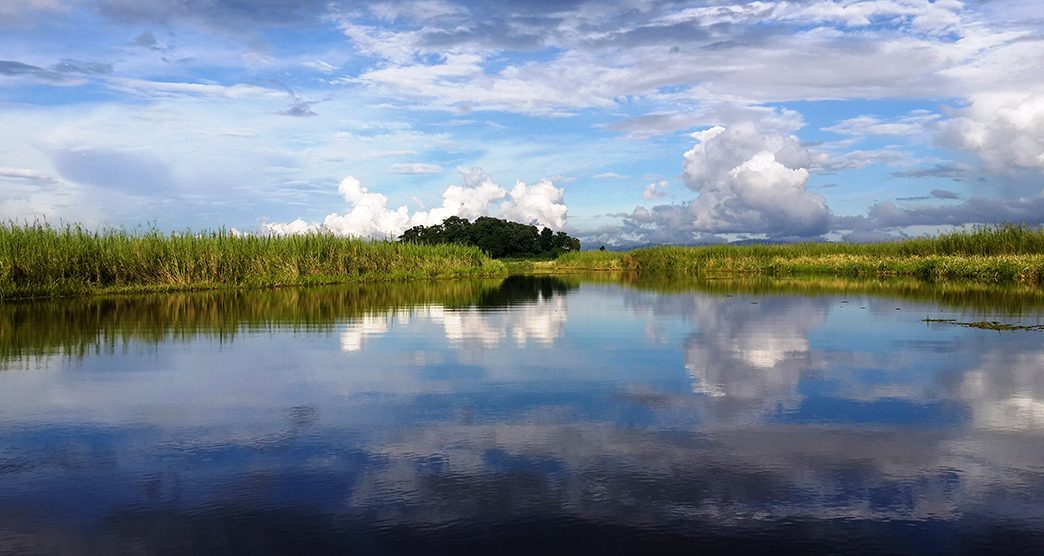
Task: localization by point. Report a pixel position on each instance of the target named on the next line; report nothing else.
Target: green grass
(42, 261)
(998, 254)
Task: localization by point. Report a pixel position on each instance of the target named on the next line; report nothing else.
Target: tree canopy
(498, 238)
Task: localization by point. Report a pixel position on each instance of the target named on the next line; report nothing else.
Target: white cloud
(320, 65)
(539, 204)
(748, 182)
(752, 182)
(291, 228)
(174, 88)
(922, 14)
(28, 195)
(470, 200)
(1005, 130)
(26, 175)
(368, 214)
(415, 168)
(610, 55)
(421, 11)
(914, 123)
(14, 12)
(655, 190)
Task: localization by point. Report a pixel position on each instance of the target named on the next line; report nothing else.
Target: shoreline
(40, 262)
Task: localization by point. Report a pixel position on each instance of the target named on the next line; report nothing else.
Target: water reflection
(733, 414)
(82, 326)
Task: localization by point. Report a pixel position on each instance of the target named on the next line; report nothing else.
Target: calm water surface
(532, 414)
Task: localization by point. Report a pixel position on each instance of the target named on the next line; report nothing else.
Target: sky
(623, 122)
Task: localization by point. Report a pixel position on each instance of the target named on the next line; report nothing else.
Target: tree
(456, 230)
(547, 238)
(497, 237)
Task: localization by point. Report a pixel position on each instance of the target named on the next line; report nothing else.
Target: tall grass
(39, 260)
(997, 254)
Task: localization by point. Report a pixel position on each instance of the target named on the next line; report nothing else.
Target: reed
(995, 254)
(39, 260)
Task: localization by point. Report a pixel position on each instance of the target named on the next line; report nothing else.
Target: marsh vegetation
(43, 261)
(997, 254)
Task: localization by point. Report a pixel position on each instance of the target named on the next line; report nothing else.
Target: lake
(532, 414)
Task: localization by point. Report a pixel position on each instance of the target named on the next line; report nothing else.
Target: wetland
(616, 412)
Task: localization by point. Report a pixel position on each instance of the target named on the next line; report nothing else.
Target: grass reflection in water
(82, 326)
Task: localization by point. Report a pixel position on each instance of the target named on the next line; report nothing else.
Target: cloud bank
(368, 215)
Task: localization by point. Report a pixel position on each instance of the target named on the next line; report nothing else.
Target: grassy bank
(1001, 254)
(42, 261)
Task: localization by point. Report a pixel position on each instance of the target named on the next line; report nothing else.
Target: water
(533, 414)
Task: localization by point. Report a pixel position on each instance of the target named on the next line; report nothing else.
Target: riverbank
(42, 261)
(993, 255)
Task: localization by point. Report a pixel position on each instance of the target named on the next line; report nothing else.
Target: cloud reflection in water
(442, 419)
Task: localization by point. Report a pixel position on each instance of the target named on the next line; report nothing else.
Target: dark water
(529, 415)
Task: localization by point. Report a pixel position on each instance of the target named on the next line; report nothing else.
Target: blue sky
(625, 122)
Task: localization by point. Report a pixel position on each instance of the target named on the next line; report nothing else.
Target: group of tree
(498, 238)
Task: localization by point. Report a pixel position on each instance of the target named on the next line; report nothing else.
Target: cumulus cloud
(748, 182)
(763, 193)
(1005, 130)
(655, 190)
(295, 227)
(539, 204)
(369, 216)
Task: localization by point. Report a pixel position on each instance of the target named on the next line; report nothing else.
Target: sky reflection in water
(523, 413)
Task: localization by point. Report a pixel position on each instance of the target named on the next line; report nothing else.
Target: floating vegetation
(986, 324)
(994, 325)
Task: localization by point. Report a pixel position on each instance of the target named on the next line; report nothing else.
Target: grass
(42, 261)
(996, 254)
